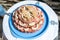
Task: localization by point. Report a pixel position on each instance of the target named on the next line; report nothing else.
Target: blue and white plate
(42, 33)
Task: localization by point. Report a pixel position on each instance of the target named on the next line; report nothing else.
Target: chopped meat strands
(28, 19)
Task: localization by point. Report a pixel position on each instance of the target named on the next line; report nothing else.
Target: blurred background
(54, 4)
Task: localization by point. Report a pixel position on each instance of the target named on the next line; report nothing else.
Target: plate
(39, 34)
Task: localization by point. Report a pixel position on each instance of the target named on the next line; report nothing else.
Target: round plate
(15, 33)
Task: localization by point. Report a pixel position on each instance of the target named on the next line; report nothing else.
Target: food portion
(28, 18)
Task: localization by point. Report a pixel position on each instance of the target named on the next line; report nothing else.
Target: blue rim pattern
(18, 34)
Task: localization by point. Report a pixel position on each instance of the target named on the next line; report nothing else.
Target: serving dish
(50, 25)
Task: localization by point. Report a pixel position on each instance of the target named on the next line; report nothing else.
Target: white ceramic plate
(50, 33)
